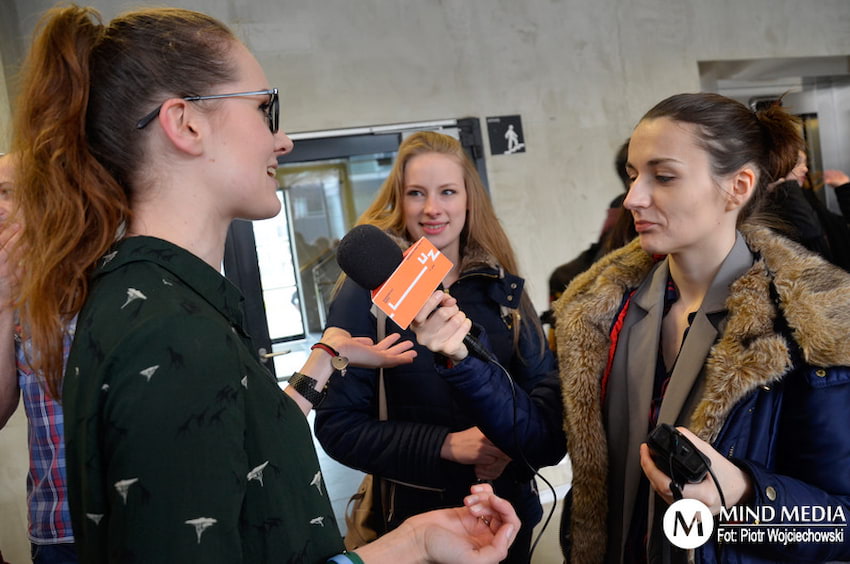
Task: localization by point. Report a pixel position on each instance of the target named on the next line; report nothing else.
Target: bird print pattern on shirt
(317, 481)
(107, 258)
(133, 295)
(201, 524)
(257, 473)
(318, 521)
(122, 486)
(148, 372)
(94, 517)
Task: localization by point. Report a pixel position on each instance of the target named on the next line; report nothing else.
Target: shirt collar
(188, 268)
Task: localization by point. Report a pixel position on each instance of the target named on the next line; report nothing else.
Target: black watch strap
(306, 386)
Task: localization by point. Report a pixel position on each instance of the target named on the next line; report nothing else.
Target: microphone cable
(519, 449)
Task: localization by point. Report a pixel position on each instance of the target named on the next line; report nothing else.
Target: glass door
(325, 198)
(278, 278)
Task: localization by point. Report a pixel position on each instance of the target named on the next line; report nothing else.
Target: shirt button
(510, 298)
(820, 373)
(770, 492)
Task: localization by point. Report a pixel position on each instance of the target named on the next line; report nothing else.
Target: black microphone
(368, 256)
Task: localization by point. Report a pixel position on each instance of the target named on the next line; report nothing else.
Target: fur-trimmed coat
(780, 410)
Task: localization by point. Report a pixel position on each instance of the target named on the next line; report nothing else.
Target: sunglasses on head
(272, 108)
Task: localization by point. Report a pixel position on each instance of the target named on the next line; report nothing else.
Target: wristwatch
(306, 386)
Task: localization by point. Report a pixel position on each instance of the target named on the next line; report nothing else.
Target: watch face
(339, 362)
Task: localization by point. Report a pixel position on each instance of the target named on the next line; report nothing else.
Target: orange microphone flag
(412, 283)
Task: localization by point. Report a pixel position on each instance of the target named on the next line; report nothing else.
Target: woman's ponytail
(782, 142)
(63, 191)
(84, 87)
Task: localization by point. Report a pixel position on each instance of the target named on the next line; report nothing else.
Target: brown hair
(621, 233)
(734, 136)
(83, 88)
(620, 160)
(482, 229)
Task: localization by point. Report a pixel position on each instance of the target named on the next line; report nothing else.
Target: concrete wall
(580, 73)
(5, 108)
(11, 46)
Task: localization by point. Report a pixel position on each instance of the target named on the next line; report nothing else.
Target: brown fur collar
(814, 298)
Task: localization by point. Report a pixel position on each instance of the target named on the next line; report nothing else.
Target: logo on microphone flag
(409, 287)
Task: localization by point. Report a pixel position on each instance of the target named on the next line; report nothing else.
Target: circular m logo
(688, 523)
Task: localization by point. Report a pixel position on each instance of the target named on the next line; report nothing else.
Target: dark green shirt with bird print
(181, 447)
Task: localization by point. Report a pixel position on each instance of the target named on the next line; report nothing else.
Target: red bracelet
(327, 348)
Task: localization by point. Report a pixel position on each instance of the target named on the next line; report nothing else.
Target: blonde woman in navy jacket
(432, 445)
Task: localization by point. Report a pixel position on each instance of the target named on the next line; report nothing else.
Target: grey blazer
(630, 384)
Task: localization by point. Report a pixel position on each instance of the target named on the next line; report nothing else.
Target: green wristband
(346, 558)
(354, 557)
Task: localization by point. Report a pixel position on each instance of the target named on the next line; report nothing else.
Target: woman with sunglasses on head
(180, 445)
(709, 322)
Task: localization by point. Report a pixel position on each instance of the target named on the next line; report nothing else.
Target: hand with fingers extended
(362, 351)
(735, 484)
(835, 177)
(441, 326)
(307, 387)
